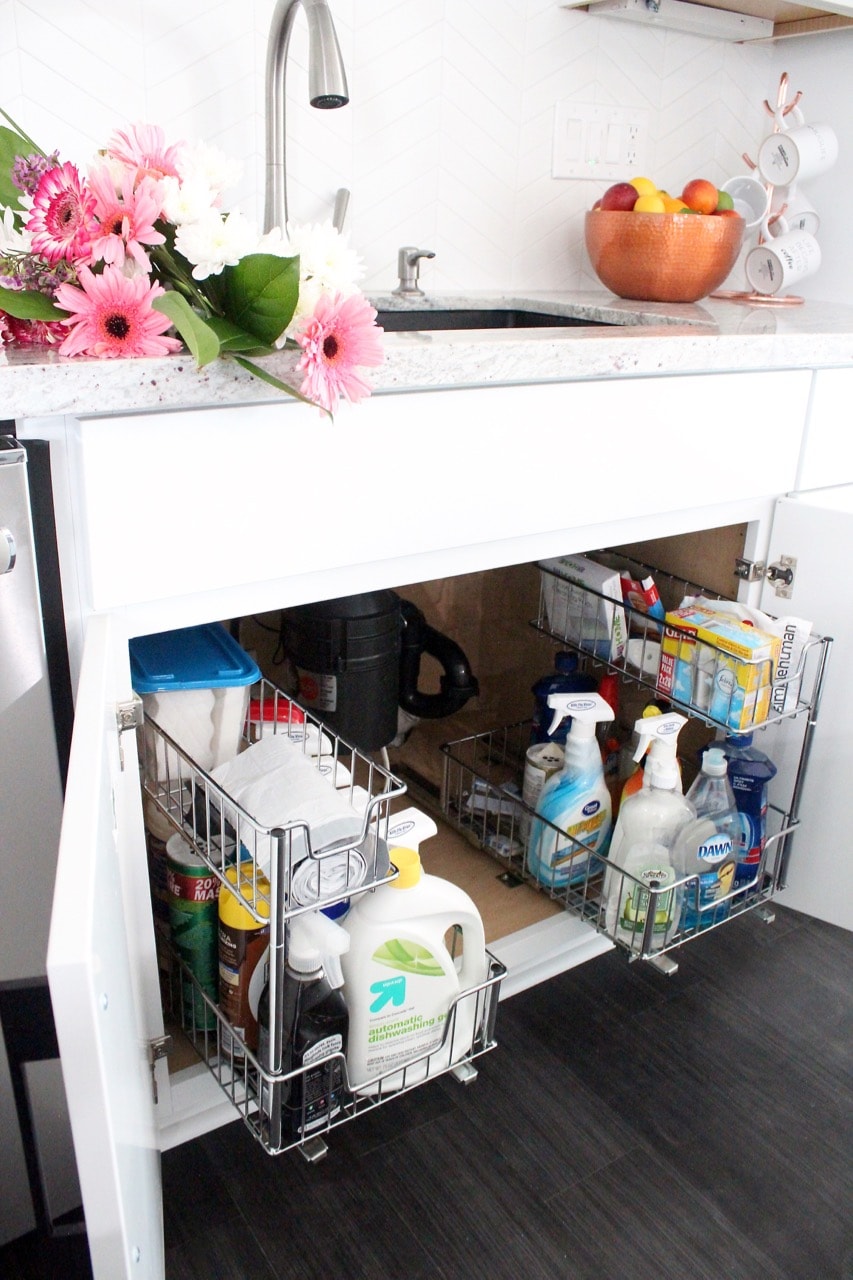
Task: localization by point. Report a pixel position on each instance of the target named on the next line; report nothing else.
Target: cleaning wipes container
(401, 980)
(194, 683)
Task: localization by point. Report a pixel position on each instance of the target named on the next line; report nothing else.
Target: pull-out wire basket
(283, 874)
(481, 797)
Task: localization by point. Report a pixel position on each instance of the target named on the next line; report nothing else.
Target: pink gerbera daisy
(338, 338)
(143, 148)
(62, 219)
(111, 315)
(126, 220)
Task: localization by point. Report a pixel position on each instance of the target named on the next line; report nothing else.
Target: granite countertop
(638, 339)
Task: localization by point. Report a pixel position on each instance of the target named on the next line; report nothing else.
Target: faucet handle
(408, 263)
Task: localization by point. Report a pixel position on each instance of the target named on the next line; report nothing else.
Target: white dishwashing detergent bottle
(640, 856)
(574, 809)
(401, 980)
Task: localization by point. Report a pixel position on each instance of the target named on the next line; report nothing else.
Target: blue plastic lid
(204, 657)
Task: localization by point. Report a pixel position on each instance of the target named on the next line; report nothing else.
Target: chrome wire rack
(482, 787)
(481, 798)
(282, 874)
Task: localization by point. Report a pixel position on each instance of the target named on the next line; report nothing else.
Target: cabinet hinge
(129, 715)
(157, 1048)
(781, 573)
(749, 570)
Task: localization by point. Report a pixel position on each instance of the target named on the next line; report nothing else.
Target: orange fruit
(673, 204)
(700, 195)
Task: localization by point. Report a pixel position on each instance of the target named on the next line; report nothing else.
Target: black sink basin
(487, 318)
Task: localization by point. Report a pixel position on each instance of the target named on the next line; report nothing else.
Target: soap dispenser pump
(574, 810)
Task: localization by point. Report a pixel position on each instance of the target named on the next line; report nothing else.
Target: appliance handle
(458, 683)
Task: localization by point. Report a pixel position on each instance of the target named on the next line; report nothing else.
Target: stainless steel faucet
(408, 265)
(327, 87)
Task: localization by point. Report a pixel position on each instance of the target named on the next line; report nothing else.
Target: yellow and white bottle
(401, 981)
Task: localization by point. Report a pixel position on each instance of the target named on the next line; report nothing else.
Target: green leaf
(25, 304)
(13, 143)
(32, 147)
(10, 147)
(233, 338)
(261, 293)
(196, 332)
(266, 376)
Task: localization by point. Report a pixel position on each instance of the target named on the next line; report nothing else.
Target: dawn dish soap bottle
(575, 807)
(705, 848)
(315, 1026)
(640, 851)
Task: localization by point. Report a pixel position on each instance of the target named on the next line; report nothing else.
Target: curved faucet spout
(327, 87)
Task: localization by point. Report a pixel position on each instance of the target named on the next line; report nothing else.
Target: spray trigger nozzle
(316, 942)
(585, 709)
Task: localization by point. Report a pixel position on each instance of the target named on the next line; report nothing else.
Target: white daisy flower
(215, 242)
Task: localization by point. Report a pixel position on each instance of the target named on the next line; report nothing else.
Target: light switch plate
(598, 142)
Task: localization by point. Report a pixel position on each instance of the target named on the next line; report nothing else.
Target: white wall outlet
(598, 142)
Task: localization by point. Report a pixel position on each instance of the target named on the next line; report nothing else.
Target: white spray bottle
(574, 803)
(642, 840)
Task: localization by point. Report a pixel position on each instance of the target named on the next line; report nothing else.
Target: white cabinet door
(817, 529)
(98, 959)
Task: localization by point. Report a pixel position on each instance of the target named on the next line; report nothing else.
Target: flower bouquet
(137, 258)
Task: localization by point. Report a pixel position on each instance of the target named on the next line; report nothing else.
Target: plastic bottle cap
(408, 864)
(714, 763)
(250, 888)
(565, 663)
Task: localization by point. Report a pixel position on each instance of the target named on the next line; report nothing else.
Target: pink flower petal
(340, 337)
(111, 315)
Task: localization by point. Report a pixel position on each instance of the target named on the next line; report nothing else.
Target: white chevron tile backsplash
(447, 139)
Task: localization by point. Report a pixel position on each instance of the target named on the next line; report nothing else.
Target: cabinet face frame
(125, 568)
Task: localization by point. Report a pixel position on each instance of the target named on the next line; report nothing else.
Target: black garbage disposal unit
(358, 659)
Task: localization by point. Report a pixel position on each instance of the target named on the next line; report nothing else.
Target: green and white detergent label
(408, 1006)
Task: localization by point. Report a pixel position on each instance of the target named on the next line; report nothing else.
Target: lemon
(644, 186)
(649, 204)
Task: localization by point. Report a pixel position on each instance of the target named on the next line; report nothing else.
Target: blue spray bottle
(574, 808)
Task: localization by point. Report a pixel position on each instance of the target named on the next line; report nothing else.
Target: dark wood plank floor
(628, 1127)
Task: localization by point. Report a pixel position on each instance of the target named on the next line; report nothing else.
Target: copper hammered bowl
(662, 257)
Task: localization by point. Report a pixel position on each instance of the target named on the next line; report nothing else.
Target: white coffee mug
(782, 262)
(750, 198)
(799, 154)
(791, 211)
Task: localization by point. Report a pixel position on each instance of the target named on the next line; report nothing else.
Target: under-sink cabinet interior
(465, 772)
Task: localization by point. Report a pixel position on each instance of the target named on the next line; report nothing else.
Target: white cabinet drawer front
(181, 503)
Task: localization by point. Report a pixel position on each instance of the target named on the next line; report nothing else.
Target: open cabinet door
(94, 964)
(816, 529)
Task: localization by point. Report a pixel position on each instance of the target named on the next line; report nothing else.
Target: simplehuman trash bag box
(194, 682)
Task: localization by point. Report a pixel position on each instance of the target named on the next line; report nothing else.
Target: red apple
(620, 196)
